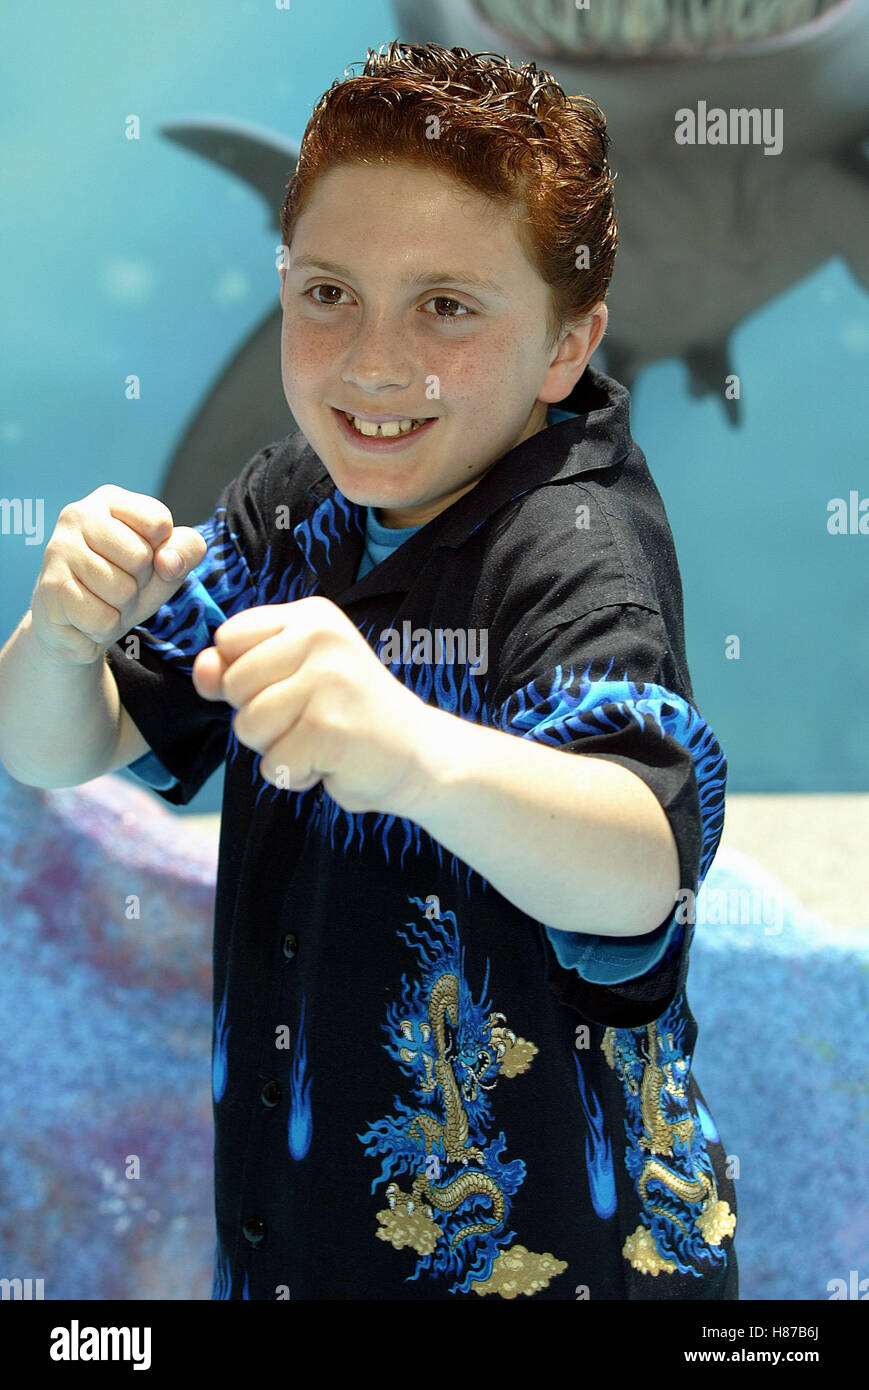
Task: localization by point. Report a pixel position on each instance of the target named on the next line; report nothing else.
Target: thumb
(189, 547)
(178, 555)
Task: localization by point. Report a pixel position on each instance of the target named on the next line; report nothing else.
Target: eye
(442, 299)
(436, 299)
(324, 304)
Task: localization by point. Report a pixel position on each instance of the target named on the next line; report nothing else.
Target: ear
(598, 327)
(573, 354)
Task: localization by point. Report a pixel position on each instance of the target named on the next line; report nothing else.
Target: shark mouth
(620, 29)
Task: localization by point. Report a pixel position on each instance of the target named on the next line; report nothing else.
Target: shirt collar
(598, 437)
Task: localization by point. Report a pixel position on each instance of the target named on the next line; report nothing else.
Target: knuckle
(163, 517)
(328, 721)
(51, 582)
(337, 676)
(65, 589)
(321, 610)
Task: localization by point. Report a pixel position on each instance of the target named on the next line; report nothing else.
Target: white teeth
(389, 429)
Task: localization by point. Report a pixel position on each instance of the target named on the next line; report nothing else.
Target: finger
(309, 750)
(269, 716)
(245, 630)
(208, 673)
(274, 659)
(285, 777)
(290, 762)
(147, 516)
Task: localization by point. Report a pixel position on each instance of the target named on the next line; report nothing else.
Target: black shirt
(419, 1090)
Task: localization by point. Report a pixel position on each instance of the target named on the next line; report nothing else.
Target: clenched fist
(314, 700)
(113, 559)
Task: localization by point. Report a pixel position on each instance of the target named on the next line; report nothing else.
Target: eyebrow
(420, 281)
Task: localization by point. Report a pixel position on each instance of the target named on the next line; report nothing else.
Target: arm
(59, 721)
(581, 844)
(107, 566)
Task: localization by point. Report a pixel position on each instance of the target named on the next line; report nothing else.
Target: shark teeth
(634, 26)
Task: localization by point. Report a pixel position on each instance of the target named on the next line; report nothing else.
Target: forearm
(58, 722)
(578, 843)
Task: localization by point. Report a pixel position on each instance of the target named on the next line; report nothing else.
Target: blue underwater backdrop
(136, 257)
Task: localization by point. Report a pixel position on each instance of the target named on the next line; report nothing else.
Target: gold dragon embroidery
(453, 1132)
(660, 1137)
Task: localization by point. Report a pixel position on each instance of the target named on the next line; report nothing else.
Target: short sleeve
(188, 735)
(149, 769)
(607, 686)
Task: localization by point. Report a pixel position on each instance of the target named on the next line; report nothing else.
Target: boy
(452, 1050)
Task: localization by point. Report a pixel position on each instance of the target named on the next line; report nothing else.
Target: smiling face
(402, 331)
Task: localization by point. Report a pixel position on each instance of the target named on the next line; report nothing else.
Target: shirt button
(290, 945)
(254, 1230)
(270, 1094)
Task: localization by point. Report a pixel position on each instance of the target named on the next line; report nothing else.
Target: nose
(377, 357)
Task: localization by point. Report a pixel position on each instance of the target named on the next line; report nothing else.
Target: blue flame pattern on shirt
(556, 708)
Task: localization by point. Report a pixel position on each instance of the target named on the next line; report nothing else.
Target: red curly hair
(508, 133)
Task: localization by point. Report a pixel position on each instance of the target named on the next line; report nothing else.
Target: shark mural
(713, 223)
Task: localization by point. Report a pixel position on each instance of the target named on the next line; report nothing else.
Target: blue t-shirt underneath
(380, 540)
